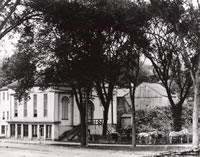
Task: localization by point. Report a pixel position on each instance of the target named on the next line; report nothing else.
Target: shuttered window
(45, 105)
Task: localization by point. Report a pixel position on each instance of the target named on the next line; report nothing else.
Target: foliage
(165, 54)
(160, 118)
(13, 13)
(183, 17)
(87, 42)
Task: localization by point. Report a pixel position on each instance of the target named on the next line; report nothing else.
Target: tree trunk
(83, 131)
(105, 120)
(195, 137)
(132, 94)
(176, 116)
(133, 125)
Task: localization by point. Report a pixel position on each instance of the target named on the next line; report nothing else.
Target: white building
(4, 111)
(47, 114)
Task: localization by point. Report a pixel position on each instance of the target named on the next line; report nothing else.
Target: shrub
(160, 118)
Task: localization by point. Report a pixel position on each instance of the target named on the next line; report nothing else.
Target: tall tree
(131, 55)
(165, 56)
(88, 40)
(184, 20)
(111, 25)
(119, 37)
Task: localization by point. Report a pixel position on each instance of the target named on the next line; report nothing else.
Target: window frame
(15, 107)
(65, 108)
(45, 105)
(25, 108)
(35, 105)
(3, 115)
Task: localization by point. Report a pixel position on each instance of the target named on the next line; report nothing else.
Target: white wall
(54, 115)
(40, 107)
(4, 108)
(145, 98)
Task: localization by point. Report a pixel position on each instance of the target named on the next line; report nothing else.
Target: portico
(30, 130)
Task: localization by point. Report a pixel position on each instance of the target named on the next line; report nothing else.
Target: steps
(70, 134)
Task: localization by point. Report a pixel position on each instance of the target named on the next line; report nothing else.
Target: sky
(8, 45)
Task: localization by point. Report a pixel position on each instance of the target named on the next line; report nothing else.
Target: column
(38, 131)
(45, 131)
(30, 136)
(8, 131)
(22, 131)
(16, 132)
(53, 132)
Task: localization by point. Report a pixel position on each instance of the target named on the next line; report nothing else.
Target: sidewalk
(119, 147)
(61, 149)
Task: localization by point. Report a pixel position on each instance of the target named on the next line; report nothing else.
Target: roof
(13, 84)
(3, 88)
(156, 87)
(122, 92)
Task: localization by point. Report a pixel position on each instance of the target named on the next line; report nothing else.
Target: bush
(160, 118)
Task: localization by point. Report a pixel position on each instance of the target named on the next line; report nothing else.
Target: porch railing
(95, 121)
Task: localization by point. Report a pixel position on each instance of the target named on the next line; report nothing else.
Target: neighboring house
(48, 114)
(4, 111)
(147, 96)
(151, 95)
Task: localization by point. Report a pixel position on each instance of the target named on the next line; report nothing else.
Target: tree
(131, 60)
(107, 33)
(12, 14)
(87, 38)
(118, 39)
(183, 18)
(165, 56)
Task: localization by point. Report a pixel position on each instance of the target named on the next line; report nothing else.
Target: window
(15, 108)
(25, 131)
(45, 105)
(25, 107)
(48, 131)
(34, 105)
(3, 115)
(90, 110)
(3, 129)
(3, 95)
(34, 130)
(7, 115)
(65, 102)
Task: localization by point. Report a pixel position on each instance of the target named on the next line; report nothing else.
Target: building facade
(4, 111)
(47, 114)
(147, 96)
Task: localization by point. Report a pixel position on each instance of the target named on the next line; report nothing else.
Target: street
(13, 149)
(27, 150)
(38, 150)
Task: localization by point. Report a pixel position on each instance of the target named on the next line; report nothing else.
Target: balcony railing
(95, 121)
